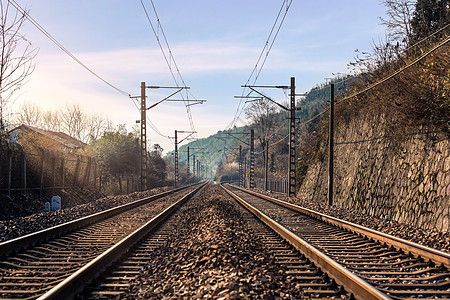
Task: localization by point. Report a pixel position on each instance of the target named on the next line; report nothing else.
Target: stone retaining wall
(408, 181)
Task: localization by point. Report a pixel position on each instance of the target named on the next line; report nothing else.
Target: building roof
(62, 138)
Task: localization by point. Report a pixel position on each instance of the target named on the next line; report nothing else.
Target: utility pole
(177, 174)
(266, 166)
(143, 153)
(240, 166)
(292, 119)
(188, 169)
(252, 159)
(331, 143)
(176, 158)
(292, 178)
(143, 121)
(245, 173)
(198, 169)
(193, 167)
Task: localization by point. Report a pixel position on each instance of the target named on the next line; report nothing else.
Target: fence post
(24, 169)
(62, 171)
(77, 171)
(54, 172)
(95, 174)
(88, 171)
(42, 173)
(9, 172)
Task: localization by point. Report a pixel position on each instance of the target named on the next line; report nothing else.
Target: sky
(215, 45)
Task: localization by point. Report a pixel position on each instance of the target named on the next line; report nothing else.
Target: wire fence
(21, 171)
(279, 185)
(43, 172)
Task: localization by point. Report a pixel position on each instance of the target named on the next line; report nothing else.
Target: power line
(266, 49)
(168, 57)
(370, 87)
(49, 36)
(381, 81)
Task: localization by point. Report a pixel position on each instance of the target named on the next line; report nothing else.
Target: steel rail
(16, 244)
(400, 244)
(360, 288)
(69, 287)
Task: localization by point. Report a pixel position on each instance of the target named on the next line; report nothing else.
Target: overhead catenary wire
(266, 49)
(71, 55)
(168, 57)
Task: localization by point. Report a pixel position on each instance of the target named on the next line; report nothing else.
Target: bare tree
(398, 22)
(262, 115)
(51, 120)
(74, 121)
(29, 113)
(16, 56)
(97, 125)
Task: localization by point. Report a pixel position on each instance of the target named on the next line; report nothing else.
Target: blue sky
(215, 44)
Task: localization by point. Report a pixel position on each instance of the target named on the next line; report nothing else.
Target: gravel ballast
(429, 238)
(17, 227)
(212, 253)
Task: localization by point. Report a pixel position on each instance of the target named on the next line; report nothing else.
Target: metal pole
(143, 139)
(198, 169)
(244, 181)
(266, 166)
(331, 143)
(193, 166)
(9, 171)
(176, 158)
(188, 169)
(24, 172)
(240, 166)
(291, 174)
(252, 159)
(63, 168)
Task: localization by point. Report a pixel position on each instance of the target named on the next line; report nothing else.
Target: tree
(262, 114)
(117, 153)
(51, 120)
(16, 56)
(74, 121)
(30, 114)
(429, 16)
(96, 125)
(398, 22)
(157, 169)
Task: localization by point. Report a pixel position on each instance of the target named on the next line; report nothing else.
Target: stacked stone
(406, 178)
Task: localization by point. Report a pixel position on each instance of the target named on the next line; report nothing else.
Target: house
(63, 142)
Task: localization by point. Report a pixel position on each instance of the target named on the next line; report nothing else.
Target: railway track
(33, 264)
(310, 257)
(398, 269)
(308, 281)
